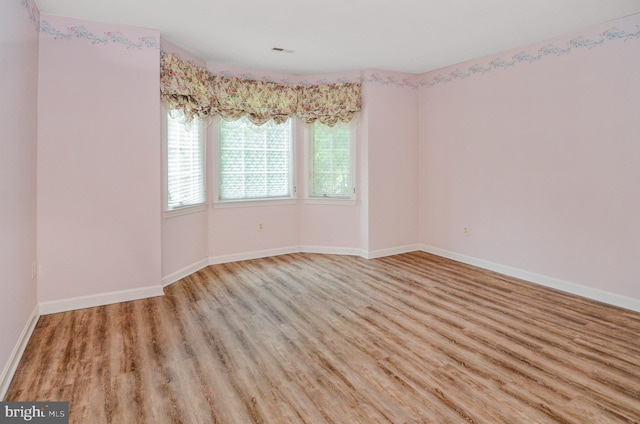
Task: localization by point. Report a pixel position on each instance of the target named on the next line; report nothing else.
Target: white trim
(63, 305)
(184, 272)
(256, 254)
(543, 280)
(242, 203)
(18, 350)
(324, 250)
(398, 250)
(185, 210)
(329, 201)
(329, 250)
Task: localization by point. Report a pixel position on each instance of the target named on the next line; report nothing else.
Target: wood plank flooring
(308, 338)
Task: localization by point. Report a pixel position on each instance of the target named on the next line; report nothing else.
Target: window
(332, 162)
(185, 163)
(255, 161)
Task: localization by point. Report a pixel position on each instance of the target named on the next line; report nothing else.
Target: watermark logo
(34, 412)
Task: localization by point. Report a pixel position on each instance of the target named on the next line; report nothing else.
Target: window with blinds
(331, 157)
(185, 168)
(255, 161)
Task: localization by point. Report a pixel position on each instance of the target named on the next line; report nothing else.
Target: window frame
(191, 208)
(309, 197)
(255, 201)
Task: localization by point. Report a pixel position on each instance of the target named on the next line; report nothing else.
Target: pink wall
(234, 230)
(18, 117)
(391, 108)
(184, 241)
(540, 160)
(330, 227)
(99, 159)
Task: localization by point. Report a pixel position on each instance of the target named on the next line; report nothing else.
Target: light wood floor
(310, 338)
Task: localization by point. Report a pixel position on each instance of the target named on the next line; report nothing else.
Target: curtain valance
(328, 103)
(260, 101)
(196, 92)
(186, 87)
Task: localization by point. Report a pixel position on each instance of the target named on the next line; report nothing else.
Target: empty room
(320, 212)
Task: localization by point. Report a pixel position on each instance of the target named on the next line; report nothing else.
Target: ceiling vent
(280, 49)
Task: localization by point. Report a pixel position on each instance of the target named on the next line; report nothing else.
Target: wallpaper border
(32, 12)
(81, 32)
(108, 37)
(548, 50)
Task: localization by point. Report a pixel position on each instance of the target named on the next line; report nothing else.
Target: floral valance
(185, 87)
(194, 91)
(328, 103)
(260, 101)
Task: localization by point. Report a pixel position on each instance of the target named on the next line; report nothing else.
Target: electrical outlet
(466, 231)
(260, 227)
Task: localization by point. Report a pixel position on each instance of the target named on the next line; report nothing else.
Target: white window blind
(331, 161)
(185, 163)
(255, 161)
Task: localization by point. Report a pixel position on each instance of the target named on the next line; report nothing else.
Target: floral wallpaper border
(391, 79)
(80, 32)
(612, 34)
(32, 11)
(114, 37)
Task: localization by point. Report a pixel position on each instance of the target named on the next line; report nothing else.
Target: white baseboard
(180, 274)
(12, 364)
(257, 254)
(82, 302)
(328, 250)
(543, 280)
(372, 254)
(134, 294)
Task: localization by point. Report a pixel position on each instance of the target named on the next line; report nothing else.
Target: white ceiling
(412, 36)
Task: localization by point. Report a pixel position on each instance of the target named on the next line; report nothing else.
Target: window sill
(329, 201)
(185, 210)
(253, 203)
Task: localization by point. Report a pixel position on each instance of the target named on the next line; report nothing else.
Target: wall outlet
(260, 227)
(465, 230)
